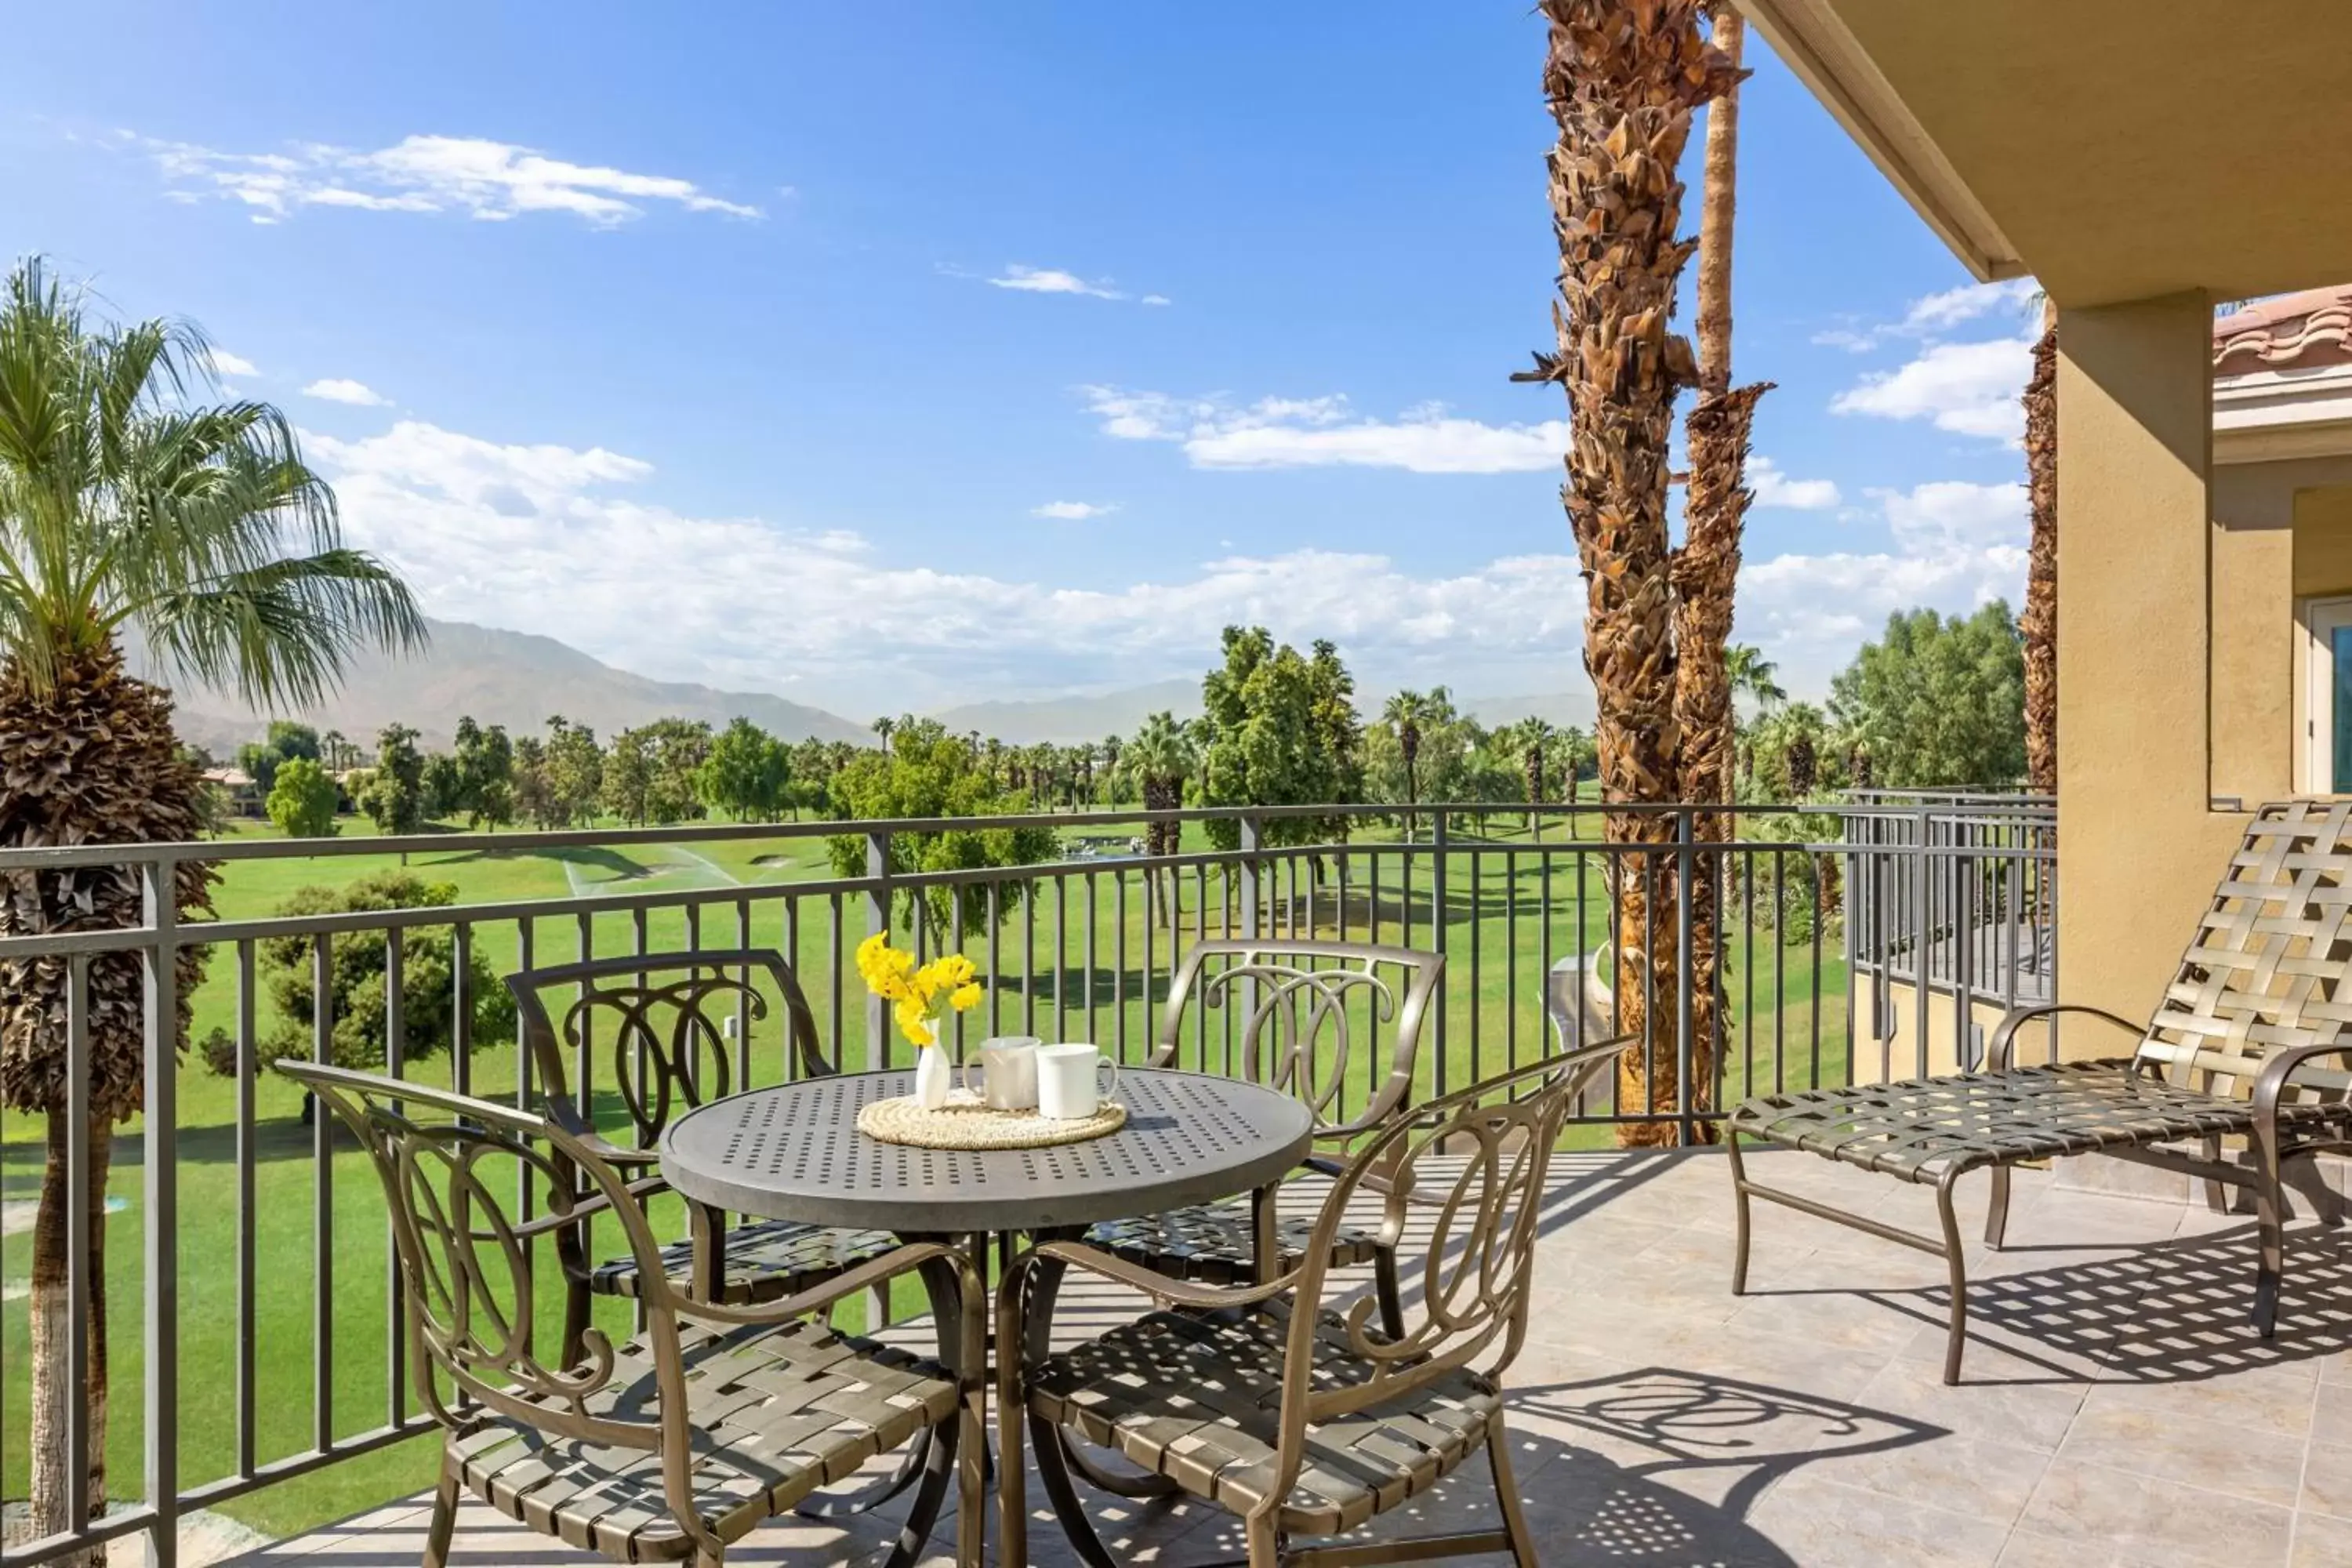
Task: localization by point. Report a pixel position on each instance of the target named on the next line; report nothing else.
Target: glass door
(2327, 720)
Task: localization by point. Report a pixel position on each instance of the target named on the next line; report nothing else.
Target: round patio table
(793, 1152)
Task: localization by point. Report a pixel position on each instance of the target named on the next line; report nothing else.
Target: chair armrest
(586, 1207)
(2001, 1047)
(1134, 1277)
(874, 1271)
(2280, 1066)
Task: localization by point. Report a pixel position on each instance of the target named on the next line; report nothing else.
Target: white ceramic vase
(933, 1077)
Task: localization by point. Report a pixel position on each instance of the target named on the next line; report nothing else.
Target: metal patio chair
(715, 1418)
(660, 1020)
(2263, 992)
(1275, 1401)
(1297, 1037)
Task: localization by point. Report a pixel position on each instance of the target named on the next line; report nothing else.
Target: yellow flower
(884, 968)
(966, 997)
(914, 1022)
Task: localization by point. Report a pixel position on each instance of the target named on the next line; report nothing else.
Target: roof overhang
(2114, 149)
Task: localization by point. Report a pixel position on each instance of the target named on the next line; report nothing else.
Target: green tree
(485, 764)
(628, 776)
(130, 501)
(283, 742)
(302, 802)
(1276, 739)
(534, 802)
(747, 773)
(928, 773)
(675, 750)
(393, 795)
(1405, 713)
(1938, 700)
(575, 772)
(356, 988)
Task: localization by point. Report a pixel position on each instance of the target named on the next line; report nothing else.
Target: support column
(2139, 849)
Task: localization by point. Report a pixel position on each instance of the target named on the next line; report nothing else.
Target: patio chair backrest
(448, 1164)
(2271, 966)
(1461, 1184)
(660, 1021)
(1312, 1010)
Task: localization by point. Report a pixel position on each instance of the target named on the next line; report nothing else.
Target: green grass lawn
(1070, 967)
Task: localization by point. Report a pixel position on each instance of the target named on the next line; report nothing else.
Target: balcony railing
(252, 1268)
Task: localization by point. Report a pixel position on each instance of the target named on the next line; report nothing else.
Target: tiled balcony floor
(2117, 1408)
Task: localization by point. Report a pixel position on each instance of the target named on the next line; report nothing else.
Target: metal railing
(1074, 948)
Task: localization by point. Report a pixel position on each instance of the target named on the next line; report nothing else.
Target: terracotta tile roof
(2304, 330)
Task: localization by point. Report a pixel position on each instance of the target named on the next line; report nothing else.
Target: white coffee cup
(1007, 1067)
(1066, 1086)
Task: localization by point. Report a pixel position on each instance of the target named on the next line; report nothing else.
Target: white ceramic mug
(1007, 1069)
(1066, 1086)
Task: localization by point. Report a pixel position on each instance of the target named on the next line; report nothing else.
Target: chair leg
(1391, 1293)
(1956, 1334)
(1506, 1492)
(710, 1558)
(1264, 1541)
(1739, 1213)
(2269, 1226)
(1997, 1209)
(937, 1471)
(2218, 1197)
(445, 1518)
(1046, 1439)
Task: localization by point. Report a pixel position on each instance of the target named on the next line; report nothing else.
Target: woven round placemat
(967, 1121)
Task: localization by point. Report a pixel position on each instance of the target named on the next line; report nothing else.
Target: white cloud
(1931, 314)
(534, 537)
(1957, 546)
(1157, 299)
(1071, 510)
(1052, 280)
(484, 179)
(1971, 389)
(1323, 432)
(228, 363)
(1775, 488)
(342, 389)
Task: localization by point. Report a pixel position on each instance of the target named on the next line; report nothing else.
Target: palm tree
(1405, 713)
(1621, 79)
(2038, 624)
(1111, 745)
(1161, 755)
(1536, 736)
(883, 727)
(1753, 676)
(128, 502)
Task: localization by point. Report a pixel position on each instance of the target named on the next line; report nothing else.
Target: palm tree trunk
(1622, 79)
(51, 1309)
(1705, 570)
(2039, 623)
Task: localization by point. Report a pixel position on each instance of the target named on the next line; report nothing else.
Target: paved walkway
(2118, 1410)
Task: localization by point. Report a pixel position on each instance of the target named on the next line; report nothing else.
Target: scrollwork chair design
(1285, 1404)
(659, 1022)
(716, 1417)
(1308, 1012)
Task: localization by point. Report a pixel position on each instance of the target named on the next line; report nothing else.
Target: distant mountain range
(506, 677)
(1557, 707)
(517, 680)
(1066, 721)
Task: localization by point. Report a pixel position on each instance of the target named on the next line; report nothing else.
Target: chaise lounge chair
(2263, 992)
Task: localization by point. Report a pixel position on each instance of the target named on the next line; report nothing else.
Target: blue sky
(761, 345)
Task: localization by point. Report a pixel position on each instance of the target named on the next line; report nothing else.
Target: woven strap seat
(1922, 1128)
(1197, 1399)
(787, 1410)
(1216, 1242)
(764, 1261)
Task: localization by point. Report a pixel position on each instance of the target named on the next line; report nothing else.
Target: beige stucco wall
(2282, 533)
(2138, 844)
